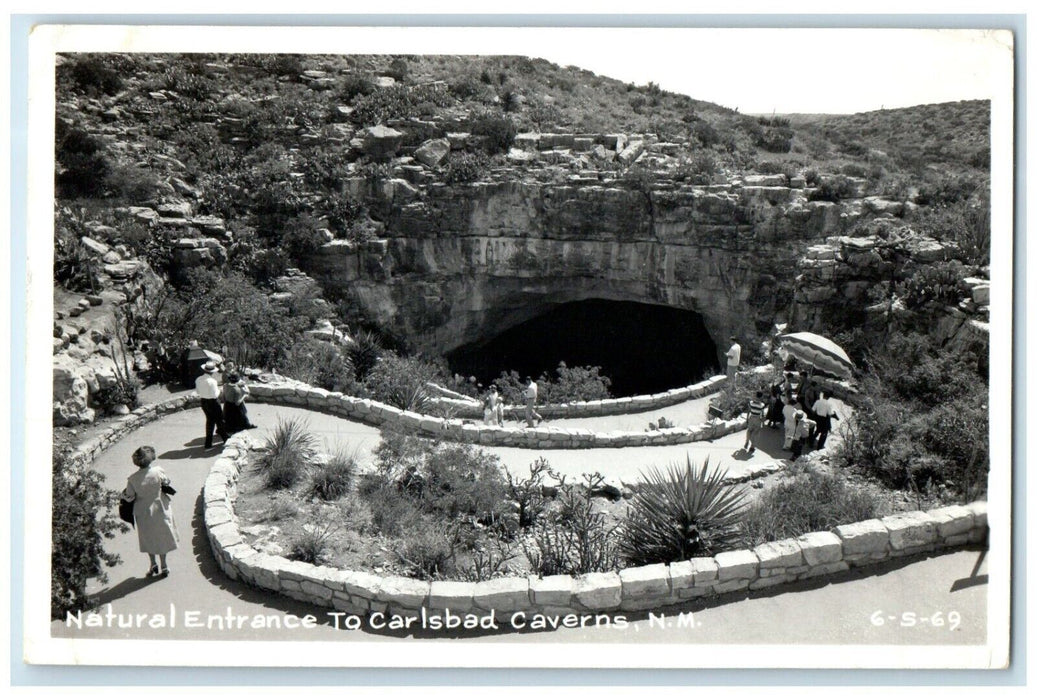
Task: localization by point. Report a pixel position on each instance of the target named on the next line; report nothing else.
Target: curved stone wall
(638, 588)
(461, 430)
(470, 408)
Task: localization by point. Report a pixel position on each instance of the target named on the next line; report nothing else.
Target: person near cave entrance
(734, 357)
(754, 422)
(530, 395)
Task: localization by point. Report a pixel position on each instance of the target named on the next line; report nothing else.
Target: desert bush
(331, 480)
(286, 454)
(75, 268)
(465, 167)
(833, 189)
(313, 545)
(82, 519)
(400, 381)
(497, 130)
(356, 85)
(733, 398)
(681, 513)
(574, 538)
(568, 384)
(965, 223)
(949, 189)
(467, 87)
(81, 162)
(93, 75)
(939, 283)
(318, 363)
(426, 548)
(810, 502)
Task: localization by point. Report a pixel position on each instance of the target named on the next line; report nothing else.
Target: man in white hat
(209, 391)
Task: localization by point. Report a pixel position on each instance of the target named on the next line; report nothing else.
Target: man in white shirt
(209, 391)
(734, 357)
(823, 411)
(531, 402)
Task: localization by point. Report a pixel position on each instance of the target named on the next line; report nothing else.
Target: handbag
(168, 490)
(126, 511)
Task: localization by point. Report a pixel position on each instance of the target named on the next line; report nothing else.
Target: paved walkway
(830, 611)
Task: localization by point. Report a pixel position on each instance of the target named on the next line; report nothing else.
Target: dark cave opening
(642, 348)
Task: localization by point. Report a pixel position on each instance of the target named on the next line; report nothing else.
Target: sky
(760, 71)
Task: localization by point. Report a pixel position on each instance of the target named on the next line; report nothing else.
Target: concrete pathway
(834, 611)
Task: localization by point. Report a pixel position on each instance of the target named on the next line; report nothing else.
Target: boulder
(632, 152)
(381, 142)
(95, 247)
(432, 152)
(174, 210)
(70, 394)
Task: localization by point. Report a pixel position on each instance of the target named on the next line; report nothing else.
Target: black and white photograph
(634, 347)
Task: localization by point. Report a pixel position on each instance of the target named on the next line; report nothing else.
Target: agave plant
(681, 513)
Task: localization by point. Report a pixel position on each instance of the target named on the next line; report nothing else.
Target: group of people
(493, 405)
(230, 417)
(803, 410)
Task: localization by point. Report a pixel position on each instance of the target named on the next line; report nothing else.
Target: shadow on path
(195, 449)
(120, 590)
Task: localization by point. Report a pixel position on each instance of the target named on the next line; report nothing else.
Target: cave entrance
(643, 348)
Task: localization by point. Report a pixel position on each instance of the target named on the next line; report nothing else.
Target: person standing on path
(531, 402)
(824, 414)
(209, 391)
(801, 437)
(789, 413)
(148, 489)
(754, 422)
(734, 357)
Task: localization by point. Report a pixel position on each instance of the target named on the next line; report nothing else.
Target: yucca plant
(363, 354)
(681, 513)
(286, 453)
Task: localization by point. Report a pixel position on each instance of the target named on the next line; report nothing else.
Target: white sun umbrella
(818, 352)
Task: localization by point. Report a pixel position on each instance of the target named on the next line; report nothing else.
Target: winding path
(831, 611)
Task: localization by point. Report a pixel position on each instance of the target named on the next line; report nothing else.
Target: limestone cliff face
(462, 263)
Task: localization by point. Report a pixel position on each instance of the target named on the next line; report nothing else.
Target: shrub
(497, 130)
(681, 513)
(427, 548)
(92, 75)
(117, 394)
(355, 85)
(318, 363)
(81, 521)
(463, 167)
(400, 381)
(810, 502)
(284, 507)
(286, 453)
(81, 163)
(568, 384)
(331, 480)
(833, 189)
(74, 267)
(574, 539)
(938, 283)
(313, 545)
(733, 399)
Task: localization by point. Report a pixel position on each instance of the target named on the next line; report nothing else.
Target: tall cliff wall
(460, 263)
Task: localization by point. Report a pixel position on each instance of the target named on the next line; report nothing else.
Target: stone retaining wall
(457, 429)
(470, 408)
(639, 588)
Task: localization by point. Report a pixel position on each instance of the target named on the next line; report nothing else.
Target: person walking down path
(734, 357)
(148, 489)
(754, 422)
(531, 402)
(209, 391)
(775, 416)
(824, 415)
(789, 412)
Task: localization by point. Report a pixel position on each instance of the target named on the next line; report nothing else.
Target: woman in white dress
(152, 511)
